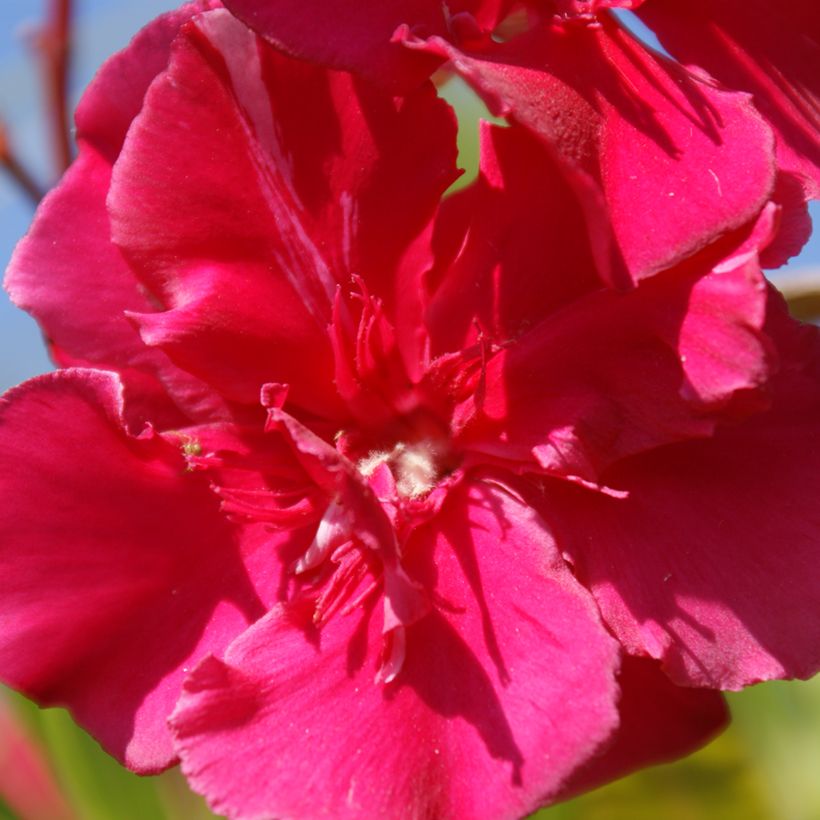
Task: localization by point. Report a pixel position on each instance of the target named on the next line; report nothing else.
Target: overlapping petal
(619, 373)
(765, 49)
(389, 603)
(659, 722)
(118, 570)
(359, 36)
(709, 564)
(292, 724)
(57, 269)
(523, 254)
(664, 162)
(115, 95)
(270, 211)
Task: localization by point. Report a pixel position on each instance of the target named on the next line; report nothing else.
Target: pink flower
(388, 501)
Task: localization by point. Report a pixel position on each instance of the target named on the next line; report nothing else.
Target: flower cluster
(367, 499)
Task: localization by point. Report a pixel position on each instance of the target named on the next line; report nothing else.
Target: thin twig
(54, 46)
(17, 171)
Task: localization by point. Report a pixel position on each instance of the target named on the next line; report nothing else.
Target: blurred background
(765, 767)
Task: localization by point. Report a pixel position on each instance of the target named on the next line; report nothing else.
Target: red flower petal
(118, 570)
(56, 270)
(763, 48)
(664, 163)
(114, 97)
(526, 251)
(358, 36)
(794, 222)
(591, 7)
(618, 373)
(710, 563)
(660, 722)
(502, 694)
(242, 213)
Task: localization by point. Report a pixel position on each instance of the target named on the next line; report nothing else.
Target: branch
(17, 171)
(54, 46)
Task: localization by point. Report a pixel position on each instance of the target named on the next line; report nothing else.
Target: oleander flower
(366, 501)
(664, 158)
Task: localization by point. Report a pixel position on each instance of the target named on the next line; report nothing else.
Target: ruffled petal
(659, 722)
(664, 162)
(504, 691)
(619, 373)
(243, 211)
(118, 570)
(526, 251)
(69, 276)
(794, 225)
(709, 564)
(359, 37)
(763, 48)
(114, 97)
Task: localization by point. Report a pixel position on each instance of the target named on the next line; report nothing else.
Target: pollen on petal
(416, 469)
(368, 465)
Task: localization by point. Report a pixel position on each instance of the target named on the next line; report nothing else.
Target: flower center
(416, 466)
(415, 448)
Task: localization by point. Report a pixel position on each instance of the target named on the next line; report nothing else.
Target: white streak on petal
(394, 662)
(333, 529)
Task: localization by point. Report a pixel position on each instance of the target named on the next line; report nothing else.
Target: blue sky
(103, 26)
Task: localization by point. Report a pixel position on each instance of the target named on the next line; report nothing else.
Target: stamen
(416, 467)
(367, 466)
(347, 578)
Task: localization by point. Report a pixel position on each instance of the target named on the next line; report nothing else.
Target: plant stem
(17, 171)
(55, 46)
